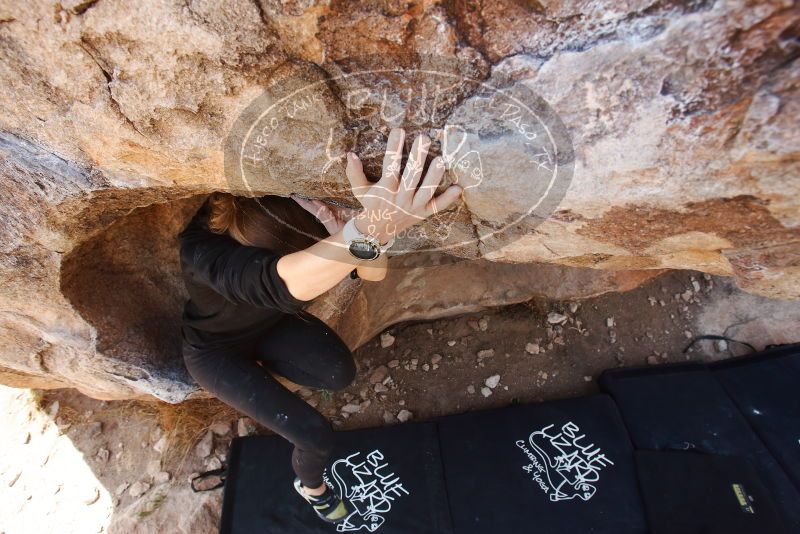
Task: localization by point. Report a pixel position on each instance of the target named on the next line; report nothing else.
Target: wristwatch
(363, 246)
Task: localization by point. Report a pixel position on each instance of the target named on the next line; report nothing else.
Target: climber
(249, 280)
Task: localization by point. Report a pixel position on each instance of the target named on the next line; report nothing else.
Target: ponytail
(272, 222)
(225, 216)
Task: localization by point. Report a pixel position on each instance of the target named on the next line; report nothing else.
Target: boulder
(674, 126)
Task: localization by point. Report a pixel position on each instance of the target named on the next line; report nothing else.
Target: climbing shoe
(328, 506)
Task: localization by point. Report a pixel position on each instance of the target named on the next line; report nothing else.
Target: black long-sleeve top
(234, 290)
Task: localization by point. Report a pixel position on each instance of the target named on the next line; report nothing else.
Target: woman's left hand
(332, 217)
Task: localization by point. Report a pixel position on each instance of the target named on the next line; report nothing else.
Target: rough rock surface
(114, 115)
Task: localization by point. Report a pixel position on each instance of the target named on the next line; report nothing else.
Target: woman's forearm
(311, 272)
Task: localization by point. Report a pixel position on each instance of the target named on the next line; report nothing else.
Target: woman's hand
(391, 205)
(332, 217)
(394, 203)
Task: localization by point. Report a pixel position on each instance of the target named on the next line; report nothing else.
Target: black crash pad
(766, 389)
(555, 467)
(392, 475)
(684, 407)
(695, 493)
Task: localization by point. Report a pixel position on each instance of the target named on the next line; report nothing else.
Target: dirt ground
(84, 465)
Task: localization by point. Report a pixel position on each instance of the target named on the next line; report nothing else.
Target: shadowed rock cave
(125, 281)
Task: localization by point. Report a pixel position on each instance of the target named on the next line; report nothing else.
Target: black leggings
(304, 350)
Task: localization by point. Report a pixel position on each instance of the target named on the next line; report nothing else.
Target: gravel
(404, 415)
(387, 340)
(532, 348)
(492, 381)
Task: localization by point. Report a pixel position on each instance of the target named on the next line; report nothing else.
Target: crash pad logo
(563, 463)
(369, 485)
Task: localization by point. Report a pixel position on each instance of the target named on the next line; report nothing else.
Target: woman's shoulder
(195, 238)
(197, 234)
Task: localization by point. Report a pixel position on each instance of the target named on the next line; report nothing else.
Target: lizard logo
(369, 486)
(562, 463)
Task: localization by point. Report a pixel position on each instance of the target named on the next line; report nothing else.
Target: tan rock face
(115, 117)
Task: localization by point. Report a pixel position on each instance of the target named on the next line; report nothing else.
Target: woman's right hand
(394, 203)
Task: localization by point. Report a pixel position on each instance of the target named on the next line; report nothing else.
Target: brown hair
(271, 222)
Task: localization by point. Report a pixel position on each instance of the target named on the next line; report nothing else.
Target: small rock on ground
(492, 381)
(245, 427)
(389, 418)
(138, 489)
(160, 445)
(204, 446)
(351, 408)
(404, 415)
(379, 374)
(387, 340)
(485, 353)
(220, 428)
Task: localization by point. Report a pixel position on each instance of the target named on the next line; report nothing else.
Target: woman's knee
(199, 368)
(342, 371)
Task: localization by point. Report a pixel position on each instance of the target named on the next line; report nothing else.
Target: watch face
(364, 250)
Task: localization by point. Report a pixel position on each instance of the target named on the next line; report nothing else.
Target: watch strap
(385, 247)
(350, 233)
